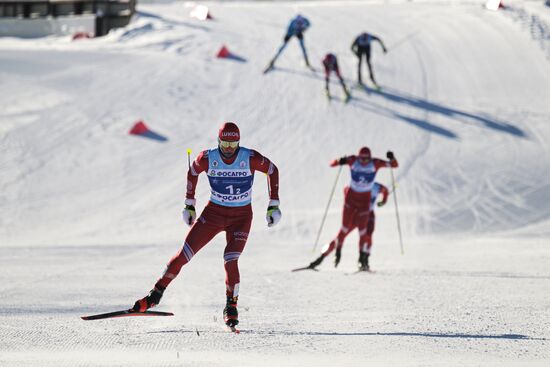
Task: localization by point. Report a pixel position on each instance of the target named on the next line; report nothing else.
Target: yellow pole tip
(188, 151)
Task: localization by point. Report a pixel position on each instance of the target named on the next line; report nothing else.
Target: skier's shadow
(149, 134)
(421, 104)
(381, 110)
(401, 334)
(305, 73)
(463, 116)
(235, 58)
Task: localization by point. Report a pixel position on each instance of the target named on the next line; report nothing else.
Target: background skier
(362, 46)
(296, 28)
(330, 64)
(365, 249)
(357, 202)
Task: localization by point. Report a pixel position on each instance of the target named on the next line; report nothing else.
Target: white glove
(273, 215)
(189, 213)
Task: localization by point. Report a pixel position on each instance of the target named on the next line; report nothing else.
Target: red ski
(125, 313)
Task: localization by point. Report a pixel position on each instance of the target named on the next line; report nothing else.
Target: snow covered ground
(89, 215)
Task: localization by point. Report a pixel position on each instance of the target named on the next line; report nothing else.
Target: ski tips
(125, 313)
(304, 268)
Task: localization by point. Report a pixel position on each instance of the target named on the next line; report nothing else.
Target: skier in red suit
(365, 248)
(330, 63)
(357, 203)
(230, 170)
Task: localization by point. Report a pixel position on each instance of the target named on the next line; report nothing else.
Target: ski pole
(326, 209)
(189, 157)
(396, 210)
(402, 40)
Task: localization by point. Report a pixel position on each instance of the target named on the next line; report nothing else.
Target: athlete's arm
(354, 46)
(199, 165)
(384, 191)
(380, 42)
(343, 161)
(260, 163)
(379, 163)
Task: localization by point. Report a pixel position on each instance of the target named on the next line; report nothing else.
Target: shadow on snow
(397, 96)
(400, 97)
(405, 334)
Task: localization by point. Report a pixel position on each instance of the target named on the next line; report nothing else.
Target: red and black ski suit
(215, 218)
(330, 63)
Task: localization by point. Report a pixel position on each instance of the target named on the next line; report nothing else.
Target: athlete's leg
(327, 76)
(342, 83)
(370, 230)
(300, 37)
(285, 41)
(205, 228)
(347, 226)
(359, 62)
(363, 227)
(371, 73)
(236, 236)
(363, 220)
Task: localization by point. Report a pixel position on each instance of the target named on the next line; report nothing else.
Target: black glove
(390, 155)
(342, 160)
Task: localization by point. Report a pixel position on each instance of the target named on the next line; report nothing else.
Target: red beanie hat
(229, 132)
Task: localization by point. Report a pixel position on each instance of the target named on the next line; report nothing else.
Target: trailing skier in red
(358, 198)
(365, 247)
(330, 64)
(230, 170)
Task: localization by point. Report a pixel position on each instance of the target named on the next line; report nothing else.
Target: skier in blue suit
(296, 28)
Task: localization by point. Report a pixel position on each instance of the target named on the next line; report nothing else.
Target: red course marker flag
(139, 128)
(223, 52)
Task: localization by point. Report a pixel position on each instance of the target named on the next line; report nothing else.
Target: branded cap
(229, 132)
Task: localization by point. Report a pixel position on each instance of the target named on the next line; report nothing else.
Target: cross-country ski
(274, 183)
(125, 313)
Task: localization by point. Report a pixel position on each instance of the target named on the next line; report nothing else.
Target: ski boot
(363, 263)
(337, 256)
(150, 300)
(230, 313)
(317, 262)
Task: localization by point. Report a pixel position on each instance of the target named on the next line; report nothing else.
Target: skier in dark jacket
(362, 46)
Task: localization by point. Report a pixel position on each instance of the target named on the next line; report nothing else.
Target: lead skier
(230, 169)
(357, 203)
